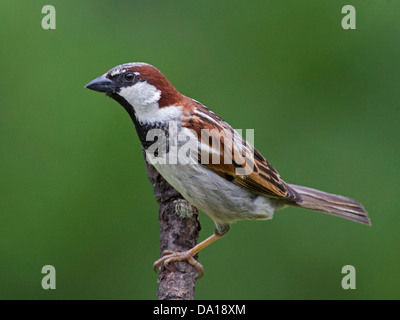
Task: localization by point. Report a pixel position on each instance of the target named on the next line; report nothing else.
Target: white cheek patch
(141, 93)
(144, 97)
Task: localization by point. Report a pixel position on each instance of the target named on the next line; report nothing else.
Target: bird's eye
(129, 76)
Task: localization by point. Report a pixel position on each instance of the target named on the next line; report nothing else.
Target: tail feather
(332, 204)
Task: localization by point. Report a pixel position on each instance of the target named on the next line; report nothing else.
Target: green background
(324, 103)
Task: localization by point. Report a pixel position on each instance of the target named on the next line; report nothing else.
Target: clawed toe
(171, 256)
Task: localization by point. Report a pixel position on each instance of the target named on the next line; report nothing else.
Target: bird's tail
(332, 204)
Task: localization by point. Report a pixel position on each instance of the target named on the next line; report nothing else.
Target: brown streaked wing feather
(263, 179)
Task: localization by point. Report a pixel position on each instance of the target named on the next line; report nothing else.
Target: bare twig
(179, 231)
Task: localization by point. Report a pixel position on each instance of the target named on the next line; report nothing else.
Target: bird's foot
(171, 256)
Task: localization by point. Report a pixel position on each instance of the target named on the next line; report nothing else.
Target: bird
(218, 171)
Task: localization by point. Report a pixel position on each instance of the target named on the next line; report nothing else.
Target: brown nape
(169, 95)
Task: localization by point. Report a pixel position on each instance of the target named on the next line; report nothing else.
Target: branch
(179, 231)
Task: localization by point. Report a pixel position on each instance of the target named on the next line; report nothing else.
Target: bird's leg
(170, 256)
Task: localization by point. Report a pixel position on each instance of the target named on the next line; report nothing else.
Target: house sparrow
(216, 187)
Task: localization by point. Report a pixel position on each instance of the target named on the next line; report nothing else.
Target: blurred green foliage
(324, 103)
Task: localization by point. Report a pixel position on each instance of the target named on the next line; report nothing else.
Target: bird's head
(140, 88)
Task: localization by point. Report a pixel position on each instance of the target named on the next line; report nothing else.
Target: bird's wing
(224, 151)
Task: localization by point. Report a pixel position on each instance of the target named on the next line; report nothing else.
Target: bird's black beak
(102, 84)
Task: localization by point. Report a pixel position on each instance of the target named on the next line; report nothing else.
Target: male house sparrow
(218, 188)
